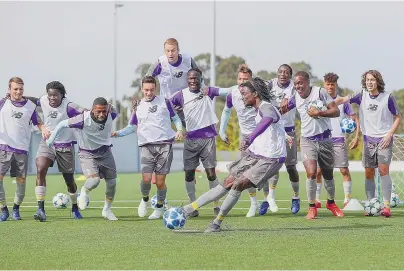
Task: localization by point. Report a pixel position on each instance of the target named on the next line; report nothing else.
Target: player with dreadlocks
(265, 154)
(56, 108)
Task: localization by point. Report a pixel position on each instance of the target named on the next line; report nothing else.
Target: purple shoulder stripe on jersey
(114, 115)
(393, 107)
(133, 119)
(179, 61)
(338, 140)
(206, 132)
(157, 70)
(170, 108)
(260, 128)
(2, 102)
(292, 103)
(77, 121)
(213, 92)
(229, 101)
(348, 110)
(7, 148)
(72, 112)
(356, 99)
(177, 99)
(34, 118)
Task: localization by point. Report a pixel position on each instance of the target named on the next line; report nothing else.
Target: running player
(152, 120)
(97, 161)
(16, 116)
(379, 118)
(338, 141)
(265, 154)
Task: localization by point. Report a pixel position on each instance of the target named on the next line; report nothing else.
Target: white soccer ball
(153, 202)
(318, 104)
(87, 199)
(174, 218)
(373, 207)
(395, 200)
(61, 201)
(348, 125)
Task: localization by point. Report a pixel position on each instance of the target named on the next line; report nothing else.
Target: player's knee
(312, 175)
(370, 173)
(344, 171)
(228, 182)
(189, 176)
(383, 171)
(92, 182)
(110, 183)
(241, 185)
(69, 177)
(160, 185)
(212, 177)
(328, 174)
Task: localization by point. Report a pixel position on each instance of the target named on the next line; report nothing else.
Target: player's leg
(326, 161)
(164, 159)
(384, 157)
(369, 162)
(191, 163)
(91, 171)
(273, 182)
(147, 165)
(42, 165)
(252, 193)
(319, 186)
(341, 162)
(13, 171)
(5, 164)
(209, 162)
(22, 168)
(347, 184)
(107, 169)
(290, 163)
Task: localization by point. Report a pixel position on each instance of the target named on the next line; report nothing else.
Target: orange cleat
(312, 213)
(318, 204)
(386, 212)
(335, 210)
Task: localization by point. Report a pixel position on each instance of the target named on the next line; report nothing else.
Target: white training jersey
(245, 115)
(15, 125)
(280, 93)
(271, 143)
(311, 126)
(199, 110)
(172, 78)
(154, 121)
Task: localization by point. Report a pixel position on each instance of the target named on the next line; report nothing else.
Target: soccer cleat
(76, 214)
(212, 228)
(108, 214)
(142, 209)
(335, 210)
(385, 212)
(295, 208)
(312, 213)
(4, 215)
(318, 204)
(253, 210)
(273, 207)
(83, 199)
(156, 213)
(263, 208)
(40, 215)
(16, 214)
(194, 214)
(216, 211)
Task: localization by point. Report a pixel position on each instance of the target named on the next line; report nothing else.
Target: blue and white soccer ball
(373, 207)
(395, 200)
(87, 199)
(61, 201)
(318, 104)
(174, 218)
(348, 125)
(153, 202)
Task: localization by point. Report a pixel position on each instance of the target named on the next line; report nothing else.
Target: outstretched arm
(129, 129)
(224, 121)
(61, 125)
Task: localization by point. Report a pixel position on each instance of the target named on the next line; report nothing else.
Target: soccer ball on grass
(61, 201)
(373, 207)
(174, 218)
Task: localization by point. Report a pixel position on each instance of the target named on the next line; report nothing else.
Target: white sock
(347, 190)
(271, 193)
(107, 204)
(318, 191)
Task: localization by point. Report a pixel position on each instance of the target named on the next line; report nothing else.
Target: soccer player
(282, 87)
(56, 108)
(16, 116)
(265, 154)
(379, 118)
(338, 141)
(97, 161)
(315, 142)
(152, 120)
(200, 118)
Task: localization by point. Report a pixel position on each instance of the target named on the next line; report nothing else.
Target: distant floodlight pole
(213, 53)
(116, 6)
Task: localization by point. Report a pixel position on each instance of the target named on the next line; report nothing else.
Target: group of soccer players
(266, 114)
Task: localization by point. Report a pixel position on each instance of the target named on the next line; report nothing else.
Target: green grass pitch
(273, 241)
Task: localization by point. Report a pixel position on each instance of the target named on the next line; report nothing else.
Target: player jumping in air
(151, 120)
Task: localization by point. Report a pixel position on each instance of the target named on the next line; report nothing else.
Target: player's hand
(313, 112)
(45, 133)
(49, 142)
(283, 106)
(205, 90)
(289, 139)
(354, 143)
(245, 144)
(114, 134)
(179, 135)
(224, 138)
(385, 142)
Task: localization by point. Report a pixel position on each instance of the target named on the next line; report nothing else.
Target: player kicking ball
(151, 120)
(379, 118)
(315, 143)
(265, 154)
(97, 161)
(56, 108)
(338, 141)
